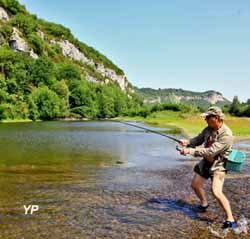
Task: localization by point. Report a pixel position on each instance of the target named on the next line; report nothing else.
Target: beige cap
(214, 111)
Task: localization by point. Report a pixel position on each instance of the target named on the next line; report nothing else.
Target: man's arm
(198, 140)
(224, 142)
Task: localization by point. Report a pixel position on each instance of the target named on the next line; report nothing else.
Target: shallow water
(70, 170)
(57, 164)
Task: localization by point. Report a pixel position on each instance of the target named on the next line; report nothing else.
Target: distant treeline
(237, 108)
(146, 110)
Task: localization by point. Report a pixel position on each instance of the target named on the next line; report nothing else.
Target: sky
(194, 45)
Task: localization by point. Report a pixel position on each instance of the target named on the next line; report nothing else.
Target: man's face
(212, 121)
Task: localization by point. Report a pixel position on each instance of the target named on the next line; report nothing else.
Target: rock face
(69, 50)
(106, 72)
(41, 35)
(4, 15)
(170, 95)
(156, 100)
(33, 54)
(18, 44)
(91, 79)
(213, 98)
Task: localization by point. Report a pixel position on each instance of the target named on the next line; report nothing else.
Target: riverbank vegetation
(191, 123)
(237, 108)
(41, 89)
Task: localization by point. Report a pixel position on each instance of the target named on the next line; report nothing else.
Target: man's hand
(184, 142)
(185, 151)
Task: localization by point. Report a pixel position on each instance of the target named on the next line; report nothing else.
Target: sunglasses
(209, 116)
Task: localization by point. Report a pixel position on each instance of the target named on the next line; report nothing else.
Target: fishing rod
(149, 130)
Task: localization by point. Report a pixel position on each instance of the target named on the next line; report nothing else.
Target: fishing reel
(178, 148)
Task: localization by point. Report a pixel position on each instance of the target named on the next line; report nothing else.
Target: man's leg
(197, 185)
(217, 185)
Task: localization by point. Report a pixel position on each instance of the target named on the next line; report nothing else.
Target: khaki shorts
(206, 169)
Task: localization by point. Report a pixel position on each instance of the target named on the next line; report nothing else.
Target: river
(94, 179)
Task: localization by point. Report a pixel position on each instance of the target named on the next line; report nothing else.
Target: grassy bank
(192, 124)
(15, 121)
(189, 124)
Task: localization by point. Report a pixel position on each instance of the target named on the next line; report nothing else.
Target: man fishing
(216, 140)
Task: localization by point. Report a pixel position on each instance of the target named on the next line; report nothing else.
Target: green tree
(80, 94)
(68, 72)
(3, 96)
(120, 101)
(24, 22)
(56, 30)
(106, 102)
(42, 72)
(15, 67)
(47, 103)
(235, 106)
(62, 90)
(36, 43)
(33, 108)
(13, 6)
(247, 111)
(7, 111)
(83, 100)
(21, 110)
(7, 58)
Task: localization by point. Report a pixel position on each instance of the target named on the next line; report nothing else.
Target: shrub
(47, 103)
(7, 111)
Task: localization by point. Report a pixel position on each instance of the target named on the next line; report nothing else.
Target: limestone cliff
(99, 69)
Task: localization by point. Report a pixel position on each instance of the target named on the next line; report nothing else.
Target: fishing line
(149, 130)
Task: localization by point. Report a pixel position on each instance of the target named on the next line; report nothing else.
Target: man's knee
(193, 185)
(196, 184)
(217, 184)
